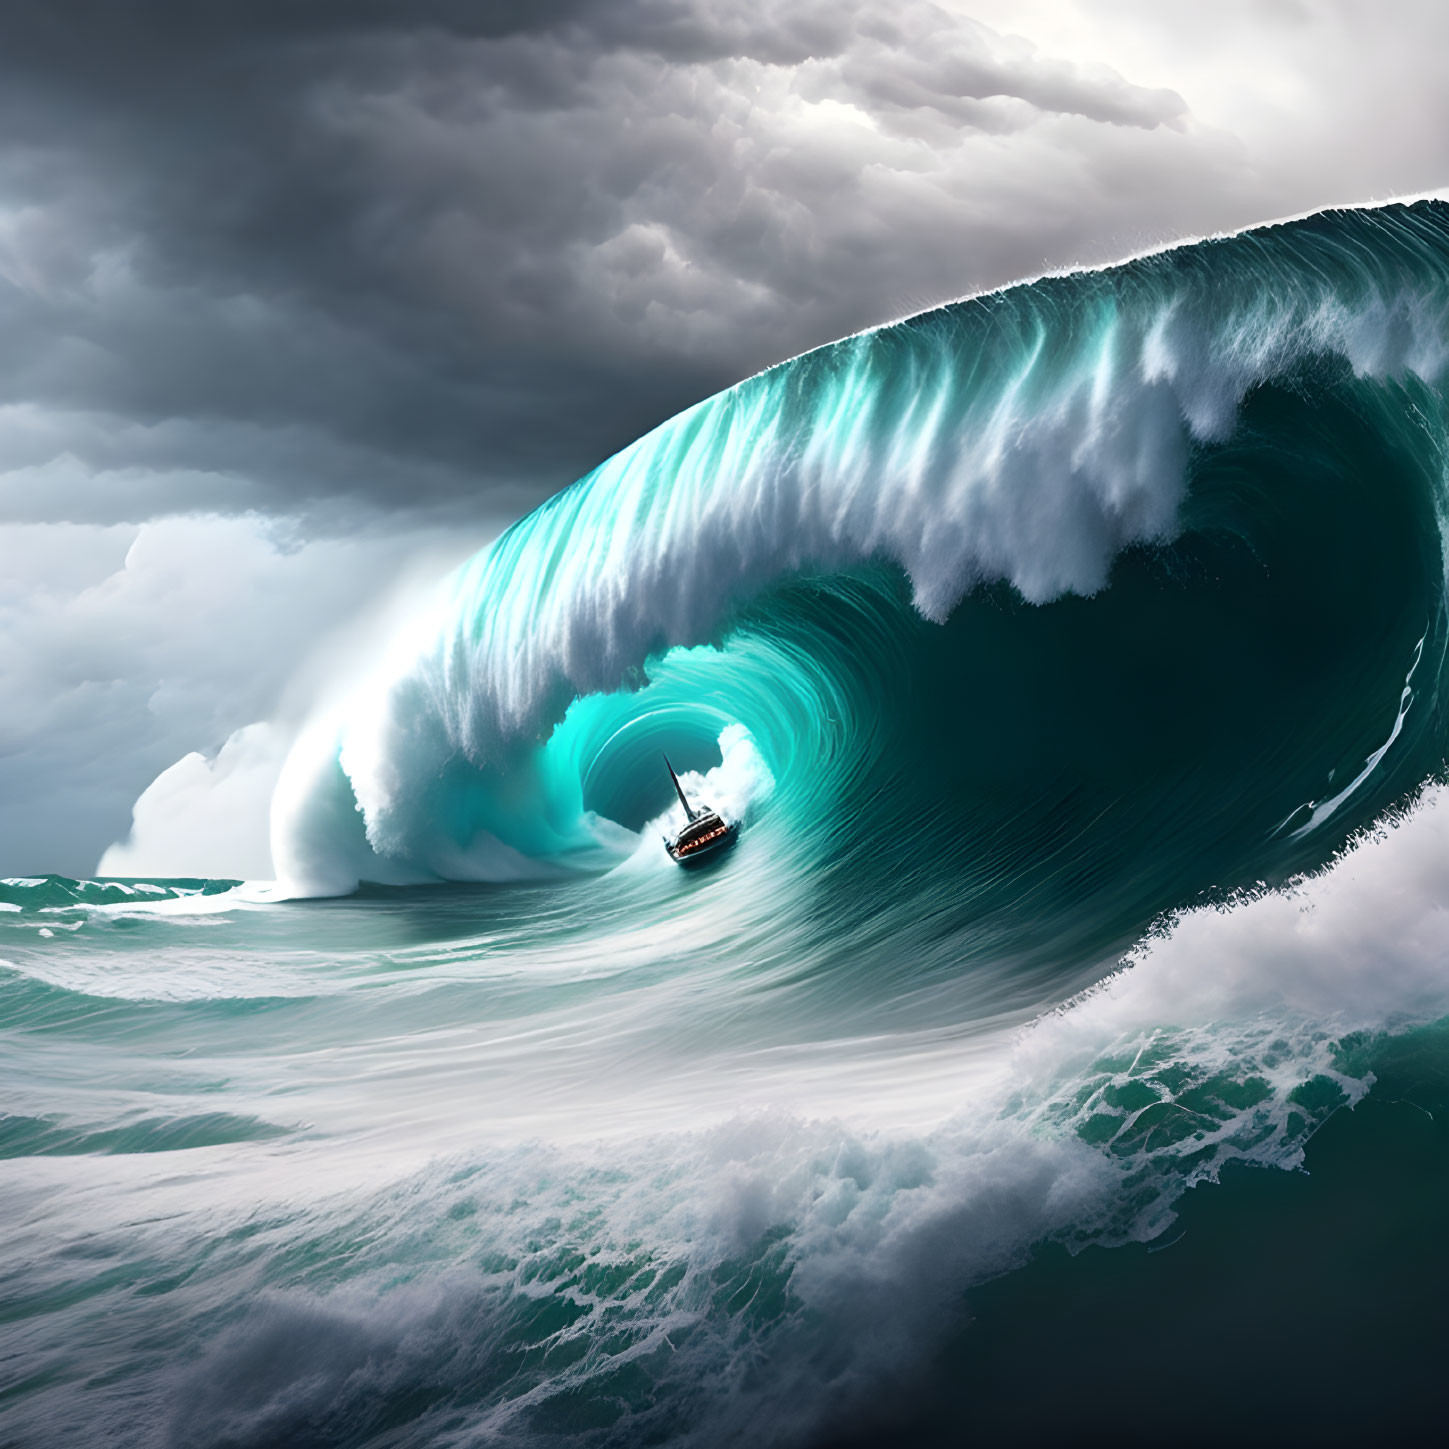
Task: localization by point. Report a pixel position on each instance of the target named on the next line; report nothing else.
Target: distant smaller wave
(33, 894)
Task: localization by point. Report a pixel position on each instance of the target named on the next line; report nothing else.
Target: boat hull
(689, 859)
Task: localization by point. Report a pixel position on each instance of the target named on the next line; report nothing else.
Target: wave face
(1075, 656)
(1244, 436)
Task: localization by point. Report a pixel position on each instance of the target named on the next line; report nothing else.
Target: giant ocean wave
(1076, 657)
(1243, 427)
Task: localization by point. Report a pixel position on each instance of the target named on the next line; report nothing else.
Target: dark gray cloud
(464, 247)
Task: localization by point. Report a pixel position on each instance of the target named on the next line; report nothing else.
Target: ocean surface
(1075, 657)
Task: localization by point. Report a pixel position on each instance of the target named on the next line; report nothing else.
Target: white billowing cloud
(123, 649)
(206, 817)
(1324, 101)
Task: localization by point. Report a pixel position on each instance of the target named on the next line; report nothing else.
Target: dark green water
(1305, 1307)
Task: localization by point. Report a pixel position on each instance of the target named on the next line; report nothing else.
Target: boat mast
(679, 789)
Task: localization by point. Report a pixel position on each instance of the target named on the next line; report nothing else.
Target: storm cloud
(398, 254)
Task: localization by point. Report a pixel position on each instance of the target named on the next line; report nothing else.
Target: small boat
(706, 832)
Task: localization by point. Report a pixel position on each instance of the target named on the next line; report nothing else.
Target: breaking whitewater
(1075, 657)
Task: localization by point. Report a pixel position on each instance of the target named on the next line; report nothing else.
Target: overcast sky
(300, 298)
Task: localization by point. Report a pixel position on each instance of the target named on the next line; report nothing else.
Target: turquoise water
(1074, 657)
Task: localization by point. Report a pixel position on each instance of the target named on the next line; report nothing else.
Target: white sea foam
(827, 1247)
(1364, 944)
